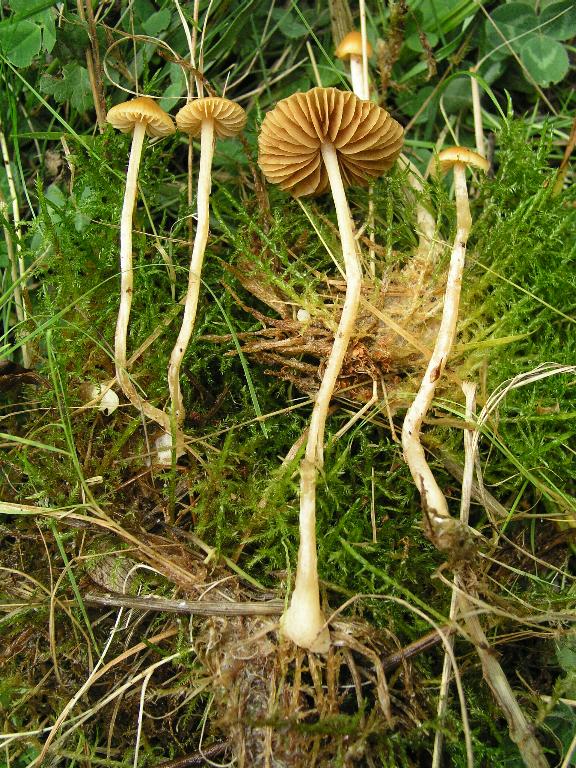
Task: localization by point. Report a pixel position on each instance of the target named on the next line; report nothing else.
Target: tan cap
(229, 117)
(447, 158)
(367, 140)
(141, 110)
(351, 45)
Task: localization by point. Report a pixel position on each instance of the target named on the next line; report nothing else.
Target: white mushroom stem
(365, 77)
(357, 77)
(193, 291)
(433, 499)
(127, 283)
(477, 113)
(304, 622)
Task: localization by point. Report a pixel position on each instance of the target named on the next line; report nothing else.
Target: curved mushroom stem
(304, 622)
(127, 283)
(192, 293)
(433, 500)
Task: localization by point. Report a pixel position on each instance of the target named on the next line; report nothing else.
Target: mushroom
(440, 525)
(310, 142)
(350, 49)
(139, 116)
(207, 117)
(100, 395)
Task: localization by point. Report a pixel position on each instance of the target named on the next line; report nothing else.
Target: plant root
(280, 705)
(393, 339)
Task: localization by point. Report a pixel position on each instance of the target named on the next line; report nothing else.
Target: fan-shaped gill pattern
(367, 140)
(229, 117)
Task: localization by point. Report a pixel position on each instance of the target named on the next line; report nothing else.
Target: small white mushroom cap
(163, 447)
(105, 399)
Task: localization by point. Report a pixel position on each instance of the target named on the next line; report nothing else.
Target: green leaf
(457, 95)
(289, 25)
(509, 22)
(566, 655)
(21, 42)
(177, 88)
(43, 16)
(560, 20)
(409, 102)
(545, 59)
(157, 23)
(414, 43)
(74, 85)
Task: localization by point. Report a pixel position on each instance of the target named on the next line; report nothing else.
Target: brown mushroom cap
(367, 140)
(447, 158)
(351, 45)
(229, 117)
(141, 110)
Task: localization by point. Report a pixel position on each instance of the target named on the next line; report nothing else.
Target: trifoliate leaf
(559, 20)
(507, 23)
(545, 59)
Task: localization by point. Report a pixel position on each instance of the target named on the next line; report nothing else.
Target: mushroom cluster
(207, 118)
(141, 117)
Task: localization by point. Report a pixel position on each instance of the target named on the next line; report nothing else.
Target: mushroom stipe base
(278, 704)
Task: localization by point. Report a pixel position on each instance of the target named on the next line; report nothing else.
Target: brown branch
(201, 608)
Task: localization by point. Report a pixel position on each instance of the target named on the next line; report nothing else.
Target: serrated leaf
(21, 42)
(559, 20)
(73, 86)
(566, 655)
(545, 59)
(157, 23)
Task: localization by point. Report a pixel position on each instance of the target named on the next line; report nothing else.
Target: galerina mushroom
(350, 49)
(140, 116)
(440, 525)
(310, 142)
(208, 118)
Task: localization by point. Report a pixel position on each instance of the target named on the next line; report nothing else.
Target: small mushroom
(350, 50)
(441, 526)
(139, 116)
(101, 396)
(310, 142)
(208, 117)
